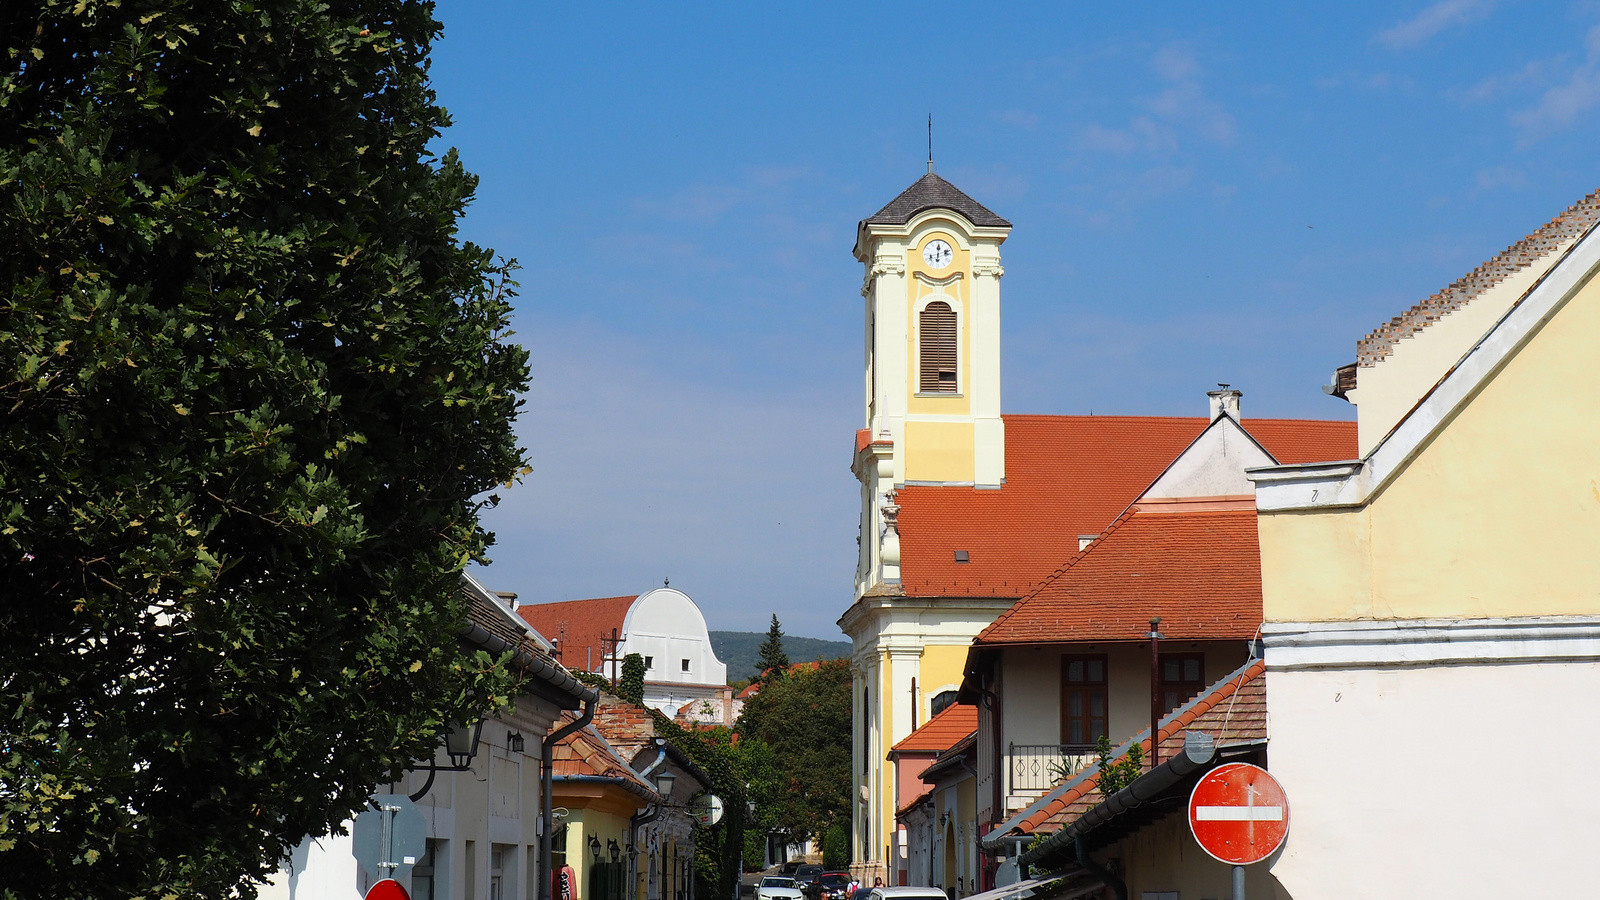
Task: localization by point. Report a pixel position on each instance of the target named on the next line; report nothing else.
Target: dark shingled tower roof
(932, 192)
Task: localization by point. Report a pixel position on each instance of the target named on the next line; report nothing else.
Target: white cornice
(1383, 643)
(1327, 485)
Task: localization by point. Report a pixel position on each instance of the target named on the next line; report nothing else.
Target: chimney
(1225, 400)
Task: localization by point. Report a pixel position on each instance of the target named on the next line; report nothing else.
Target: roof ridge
(1572, 223)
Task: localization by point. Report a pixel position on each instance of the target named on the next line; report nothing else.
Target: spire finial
(930, 143)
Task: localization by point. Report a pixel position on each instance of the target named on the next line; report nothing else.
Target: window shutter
(937, 331)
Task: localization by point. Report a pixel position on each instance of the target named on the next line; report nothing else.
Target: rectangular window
(649, 662)
(1083, 700)
(1182, 676)
(686, 665)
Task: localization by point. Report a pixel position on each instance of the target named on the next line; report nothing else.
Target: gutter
(627, 784)
(1199, 750)
(546, 785)
(542, 667)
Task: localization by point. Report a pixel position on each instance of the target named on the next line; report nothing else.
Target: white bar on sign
(1238, 813)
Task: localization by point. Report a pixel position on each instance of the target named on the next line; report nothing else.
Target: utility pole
(1155, 693)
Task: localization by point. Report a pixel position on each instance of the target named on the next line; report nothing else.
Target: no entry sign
(388, 889)
(1239, 814)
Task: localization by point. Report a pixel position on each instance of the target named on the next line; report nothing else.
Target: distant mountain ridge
(741, 649)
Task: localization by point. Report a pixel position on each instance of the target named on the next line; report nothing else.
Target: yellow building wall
(939, 451)
(941, 665)
(603, 825)
(1498, 515)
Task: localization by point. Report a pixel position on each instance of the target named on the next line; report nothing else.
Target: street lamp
(664, 782)
(615, 849)
(594, 848)
(461, 742)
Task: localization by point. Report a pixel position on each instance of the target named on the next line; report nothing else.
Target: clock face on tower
(937, 254)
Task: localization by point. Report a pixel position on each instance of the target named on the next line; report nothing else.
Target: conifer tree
(252, 385)
(773, 661)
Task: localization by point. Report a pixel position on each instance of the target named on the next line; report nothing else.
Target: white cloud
(1562, 104)
(1182, 104)
(1436, 18)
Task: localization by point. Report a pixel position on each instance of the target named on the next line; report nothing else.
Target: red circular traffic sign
(388, 889)
(1239, 814)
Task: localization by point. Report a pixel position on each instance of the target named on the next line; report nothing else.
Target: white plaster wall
(1386, 392)
(1213, 466)
(495, 802)
(667, 626)
(1464, 781)
(1030, 696)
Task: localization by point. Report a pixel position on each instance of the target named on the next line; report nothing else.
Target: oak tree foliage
(252, 383)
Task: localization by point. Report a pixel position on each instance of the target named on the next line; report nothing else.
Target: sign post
(389, 836)
(1239, 815)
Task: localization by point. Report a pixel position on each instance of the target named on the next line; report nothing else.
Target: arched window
(941, 702)
(937, 334)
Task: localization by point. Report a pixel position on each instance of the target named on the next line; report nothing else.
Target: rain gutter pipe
(547, 785)
(1199, 749)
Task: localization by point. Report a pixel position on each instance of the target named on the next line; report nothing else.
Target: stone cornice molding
(929, 280)
(988, 267)
(1370, 643)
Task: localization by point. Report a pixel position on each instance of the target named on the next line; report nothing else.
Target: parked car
(804, 875)
(829, 886)
(789, 868)
(907, 893)
(777, 887)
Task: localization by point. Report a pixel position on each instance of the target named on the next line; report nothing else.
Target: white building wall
(496, 802)
(1437, 777)
(668, 629)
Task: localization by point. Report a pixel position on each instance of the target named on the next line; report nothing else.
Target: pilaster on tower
(932, 385)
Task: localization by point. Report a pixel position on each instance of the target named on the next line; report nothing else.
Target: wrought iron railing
(1039, 767)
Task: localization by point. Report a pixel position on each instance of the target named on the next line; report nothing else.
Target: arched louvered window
(937, 332)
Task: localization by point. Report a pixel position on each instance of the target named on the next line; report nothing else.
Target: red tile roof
(941, 732)
(587, 752)
(1199, 571)
(1065, 476)
(1233, 712)
(1577, 219)
(583, 623)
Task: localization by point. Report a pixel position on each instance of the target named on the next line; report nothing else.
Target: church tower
(932, 425)
(932, 289)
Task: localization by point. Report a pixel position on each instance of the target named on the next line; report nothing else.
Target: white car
(777, 887)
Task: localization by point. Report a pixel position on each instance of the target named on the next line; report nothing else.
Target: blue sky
(1199, 195)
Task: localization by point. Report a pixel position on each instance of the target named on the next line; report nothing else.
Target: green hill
(741, 649)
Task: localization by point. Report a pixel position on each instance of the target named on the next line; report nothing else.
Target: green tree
(631, 686)
(804, 720)
(773, 661)
(252, 385)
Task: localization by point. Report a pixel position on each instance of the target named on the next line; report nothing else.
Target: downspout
(547, 783)
(634, 822)
(1119, 888)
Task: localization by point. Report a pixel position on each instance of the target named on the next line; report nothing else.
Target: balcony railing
(1039, 767)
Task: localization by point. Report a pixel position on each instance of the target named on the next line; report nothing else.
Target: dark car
(789, 868)
(803, 877)
(829, 886)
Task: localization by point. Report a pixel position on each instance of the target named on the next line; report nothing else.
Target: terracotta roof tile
(941, 732)
(1233, 712)
(1571, 224)
(587, 752)
(1065, 476)
(584, 623)
(1199, 571)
